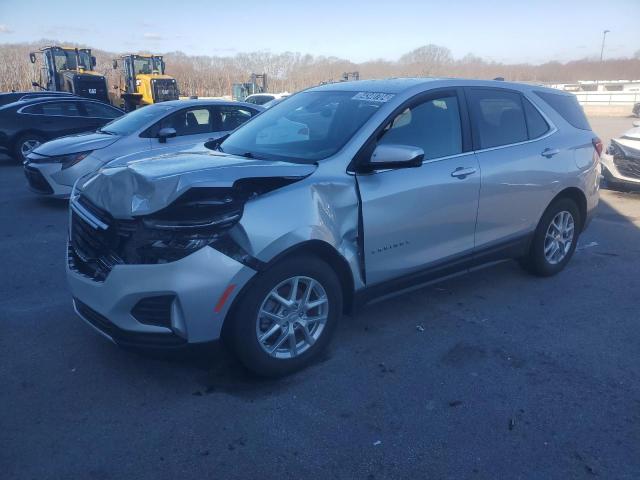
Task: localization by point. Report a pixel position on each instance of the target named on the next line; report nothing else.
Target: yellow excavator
(143, 81)
(70, 69)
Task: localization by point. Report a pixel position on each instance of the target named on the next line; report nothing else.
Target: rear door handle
(550, 152)
(462, 172)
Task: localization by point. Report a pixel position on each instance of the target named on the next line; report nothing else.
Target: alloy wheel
(292, 317)
(559, 237)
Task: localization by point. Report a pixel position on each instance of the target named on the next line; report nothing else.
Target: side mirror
(93, 61)
(395, 156)
(166, 132)
(115, 64)
(32, 57)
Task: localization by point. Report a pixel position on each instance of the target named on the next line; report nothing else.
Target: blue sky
(508, 31)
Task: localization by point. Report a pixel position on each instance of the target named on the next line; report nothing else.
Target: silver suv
(335, 197)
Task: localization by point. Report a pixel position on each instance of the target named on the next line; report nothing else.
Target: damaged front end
(200, 213)
(626, 156)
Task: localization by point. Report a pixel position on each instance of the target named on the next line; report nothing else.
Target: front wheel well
(330, 255)
(577, 196)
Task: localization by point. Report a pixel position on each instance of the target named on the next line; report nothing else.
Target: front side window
(433, 125)
(100, 110)
(499, 117)
(309, 126)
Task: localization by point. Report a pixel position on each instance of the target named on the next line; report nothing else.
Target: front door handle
(550, 152)
(462, 172)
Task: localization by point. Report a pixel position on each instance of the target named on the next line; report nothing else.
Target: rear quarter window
(567, 107)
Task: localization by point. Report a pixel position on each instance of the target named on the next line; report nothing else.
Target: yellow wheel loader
(143, 81)
(70, 69)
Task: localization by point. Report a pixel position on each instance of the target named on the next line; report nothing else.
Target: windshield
(134, 121)
(309, 126)
(147, 65)
(66, 59)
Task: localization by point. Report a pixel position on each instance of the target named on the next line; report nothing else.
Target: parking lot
(496, 374)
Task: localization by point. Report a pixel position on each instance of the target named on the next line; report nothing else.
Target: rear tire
(25, 144)
(272, 332)
(555, 239)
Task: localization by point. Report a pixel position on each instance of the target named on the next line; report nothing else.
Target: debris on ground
(455, 403)
(420, 328)
(377, 443)
(588, 245)
(512, 423)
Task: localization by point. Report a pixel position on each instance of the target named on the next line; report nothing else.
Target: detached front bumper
(162, 305)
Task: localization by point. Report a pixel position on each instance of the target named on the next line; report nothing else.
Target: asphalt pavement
(496, 374)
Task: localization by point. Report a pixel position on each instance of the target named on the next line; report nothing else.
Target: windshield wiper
(108, 132)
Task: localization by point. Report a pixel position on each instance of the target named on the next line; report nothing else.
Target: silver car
(340, 196)
(162, 127)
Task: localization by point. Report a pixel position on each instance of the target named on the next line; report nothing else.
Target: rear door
(521, 160)
(57, 118)
(415, 218)
(98, 114)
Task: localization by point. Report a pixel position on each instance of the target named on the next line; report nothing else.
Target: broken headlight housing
(200, 217)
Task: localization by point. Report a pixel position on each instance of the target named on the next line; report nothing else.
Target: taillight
(597, 144)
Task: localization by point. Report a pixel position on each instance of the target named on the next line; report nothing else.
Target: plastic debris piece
(420, 328)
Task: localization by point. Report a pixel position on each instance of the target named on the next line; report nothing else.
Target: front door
(414, 218)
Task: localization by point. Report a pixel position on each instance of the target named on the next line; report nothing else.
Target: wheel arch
(580, 199)
(332, 257)
(319, 249)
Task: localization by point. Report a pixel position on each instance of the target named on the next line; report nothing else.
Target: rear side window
(227, 118)
(499, 117)
(536, 124)
(567, 107)
(433, 126)
(68, 109)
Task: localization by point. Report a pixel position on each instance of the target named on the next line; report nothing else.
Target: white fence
(607, 98)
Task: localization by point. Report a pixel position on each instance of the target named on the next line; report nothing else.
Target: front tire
(25, 144)
(287, 316)
(555, 239)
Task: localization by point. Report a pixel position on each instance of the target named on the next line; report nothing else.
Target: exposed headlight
(201, 217)
(66, 160)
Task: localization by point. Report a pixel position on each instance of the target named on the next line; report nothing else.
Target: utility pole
(604, 35)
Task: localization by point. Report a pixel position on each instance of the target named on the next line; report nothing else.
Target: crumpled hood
(82, 142)
(146, 186)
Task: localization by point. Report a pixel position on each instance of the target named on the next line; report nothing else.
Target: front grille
(628, 167)
(126, 337)
(94, 251)
(164, 89)
(154, 310)
(36, 180)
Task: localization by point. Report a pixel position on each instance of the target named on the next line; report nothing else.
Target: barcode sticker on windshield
(373, 96)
